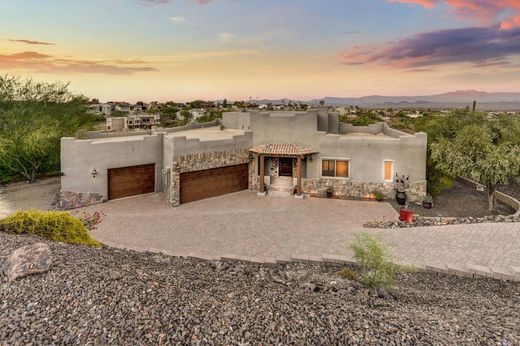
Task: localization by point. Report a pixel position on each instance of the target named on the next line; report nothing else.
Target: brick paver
(245, 226)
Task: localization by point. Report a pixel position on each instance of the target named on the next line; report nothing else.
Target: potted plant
(405, 214)
(330, 191)
(378, 195)
(427, 202)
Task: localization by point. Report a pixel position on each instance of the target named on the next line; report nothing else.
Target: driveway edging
(469, 270)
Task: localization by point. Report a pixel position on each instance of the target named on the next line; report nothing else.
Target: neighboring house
(302, 153)
(346, 110)
(108, 108)
(415, 115)
(195, 113)
(123, 107)
(95, 108)
(132, 122)
(137, 108)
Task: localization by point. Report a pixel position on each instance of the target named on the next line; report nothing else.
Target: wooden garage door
(213, 182)
(131, 181)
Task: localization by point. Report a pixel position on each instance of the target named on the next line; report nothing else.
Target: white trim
(320, 167)
(391, 180)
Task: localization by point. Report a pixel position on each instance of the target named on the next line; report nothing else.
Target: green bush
(437, 180)
(54, 225)
(379, 196)
(362, 120)
(378, 268)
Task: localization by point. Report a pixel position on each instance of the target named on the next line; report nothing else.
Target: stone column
(262, 173)
(299, 183)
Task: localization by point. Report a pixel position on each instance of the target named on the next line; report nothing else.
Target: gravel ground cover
(110, 296)
(458, 201)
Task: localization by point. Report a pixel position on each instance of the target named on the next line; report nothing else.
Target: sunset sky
(236, 49)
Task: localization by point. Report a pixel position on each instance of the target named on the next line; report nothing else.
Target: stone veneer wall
(275, 163)
(67, 200)
(202, 161)
(355, 189)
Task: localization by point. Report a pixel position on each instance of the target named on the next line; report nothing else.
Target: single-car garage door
(213, 182)
(131, 181)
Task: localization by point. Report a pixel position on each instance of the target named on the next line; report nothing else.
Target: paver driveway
(245, 225)
(240, 224)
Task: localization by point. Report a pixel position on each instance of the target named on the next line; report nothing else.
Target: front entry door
(285, 167)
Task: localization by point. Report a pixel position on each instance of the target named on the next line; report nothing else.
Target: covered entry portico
(285, 154)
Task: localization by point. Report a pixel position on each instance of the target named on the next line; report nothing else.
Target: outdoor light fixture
(93, 173)
(311, 159)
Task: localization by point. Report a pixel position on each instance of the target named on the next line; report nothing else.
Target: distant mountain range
(498, 101)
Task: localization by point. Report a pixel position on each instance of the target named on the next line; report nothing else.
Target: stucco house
(278, 153)
(132, 122)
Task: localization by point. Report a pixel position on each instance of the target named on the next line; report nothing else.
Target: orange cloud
(425, 3)
(38, 62)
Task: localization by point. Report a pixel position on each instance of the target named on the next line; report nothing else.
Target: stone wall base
(66, 200)
(364, 190)
(203, 161)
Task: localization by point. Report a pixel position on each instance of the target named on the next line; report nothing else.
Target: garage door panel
(199, 185)
(131, 181)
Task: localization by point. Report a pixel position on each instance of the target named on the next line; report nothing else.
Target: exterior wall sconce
(94, 173)
(311, 159)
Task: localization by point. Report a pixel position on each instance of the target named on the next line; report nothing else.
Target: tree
(33, 118)
(474, 153)
(186, 114)
(28, 144)
(169, 110)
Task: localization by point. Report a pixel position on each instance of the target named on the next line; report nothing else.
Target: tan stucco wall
(80, 157)
(366, 154)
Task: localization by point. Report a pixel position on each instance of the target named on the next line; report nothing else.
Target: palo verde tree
(33, 118)
(479, 153)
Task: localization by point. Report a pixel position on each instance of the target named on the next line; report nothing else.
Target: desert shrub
(437, 180)
(362, 120)
(379, 196)
(347, 273)
(378, 269)
(54, 225)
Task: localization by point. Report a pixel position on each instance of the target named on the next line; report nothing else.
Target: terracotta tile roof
(282, 150)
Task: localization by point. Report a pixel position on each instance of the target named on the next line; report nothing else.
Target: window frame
(391, 180)
(320, 167)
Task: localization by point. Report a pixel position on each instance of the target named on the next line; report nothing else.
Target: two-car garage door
(194, 186)
(213, 182)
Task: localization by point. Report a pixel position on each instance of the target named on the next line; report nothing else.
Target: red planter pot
(406, 215)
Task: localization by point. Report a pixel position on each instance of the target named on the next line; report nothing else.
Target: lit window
(335, 168)
(389, 170)
(327, 168)
(342, 169)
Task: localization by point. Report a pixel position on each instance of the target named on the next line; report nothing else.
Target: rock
(382, 293)
(219, 266)
(27, 260)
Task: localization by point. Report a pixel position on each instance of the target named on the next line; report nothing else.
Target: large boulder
(27, 260)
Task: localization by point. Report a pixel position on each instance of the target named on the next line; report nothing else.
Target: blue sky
(183, 49)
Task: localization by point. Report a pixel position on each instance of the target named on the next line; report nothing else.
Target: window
(342, 169)
(388, 170)
(335, 168)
